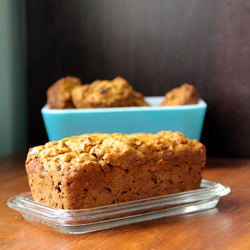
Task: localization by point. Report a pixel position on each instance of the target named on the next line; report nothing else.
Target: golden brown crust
(101, 169)
(104, 93)
(59, 94)
(185, 94)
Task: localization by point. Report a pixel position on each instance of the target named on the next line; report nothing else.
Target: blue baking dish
(187, 119)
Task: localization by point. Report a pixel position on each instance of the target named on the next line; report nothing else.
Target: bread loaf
(101, 169)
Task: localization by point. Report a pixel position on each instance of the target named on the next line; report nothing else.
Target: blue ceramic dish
(187, 119)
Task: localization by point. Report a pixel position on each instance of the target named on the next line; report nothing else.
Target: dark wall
(156, 45)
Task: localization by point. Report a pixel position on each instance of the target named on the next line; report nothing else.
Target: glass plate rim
(209, 189)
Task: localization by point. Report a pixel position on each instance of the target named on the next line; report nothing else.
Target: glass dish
(94, 219)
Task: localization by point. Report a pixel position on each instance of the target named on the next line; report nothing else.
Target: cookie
(183, 95)
(104, 93)
(59, 95)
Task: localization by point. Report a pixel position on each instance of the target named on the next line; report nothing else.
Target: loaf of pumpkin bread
(101, 169)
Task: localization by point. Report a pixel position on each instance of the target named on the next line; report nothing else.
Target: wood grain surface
(225, 227)
(156, 45)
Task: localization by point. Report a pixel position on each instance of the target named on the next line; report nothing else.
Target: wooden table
(225, 227)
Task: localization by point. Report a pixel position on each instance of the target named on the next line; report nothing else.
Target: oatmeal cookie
(104, 93)
(59, 94)
(185, 94)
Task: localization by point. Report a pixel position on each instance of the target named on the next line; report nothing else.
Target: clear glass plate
(94, 219)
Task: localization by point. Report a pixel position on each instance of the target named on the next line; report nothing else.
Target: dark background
(155, 45)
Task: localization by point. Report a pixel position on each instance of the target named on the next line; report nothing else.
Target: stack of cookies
(69, 92)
